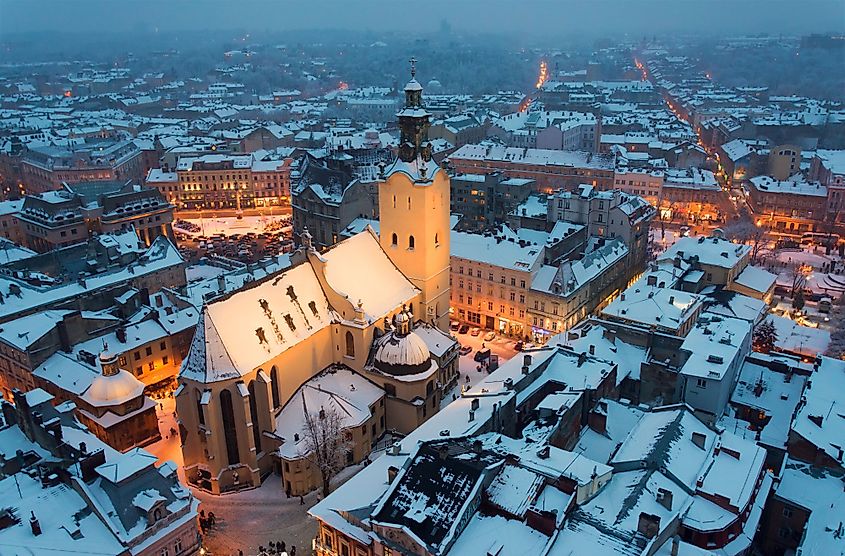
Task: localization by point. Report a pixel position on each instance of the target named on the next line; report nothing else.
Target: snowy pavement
(501, 346)
(231, 225)
(247, 519)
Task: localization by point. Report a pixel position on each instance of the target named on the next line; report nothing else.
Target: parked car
(518, 346)
(454, 325)
(475, 331)
(464, 350)
(490, 336)
(482, 354)
(463, 329)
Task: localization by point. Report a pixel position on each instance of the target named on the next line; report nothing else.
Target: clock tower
(414, 199)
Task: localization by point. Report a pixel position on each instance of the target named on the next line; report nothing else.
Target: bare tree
(745, 230)
(327, 444)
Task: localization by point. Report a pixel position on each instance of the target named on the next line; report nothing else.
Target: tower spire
(414, 122)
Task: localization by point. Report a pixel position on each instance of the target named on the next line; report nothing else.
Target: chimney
(392, 471)
(671, 299)
(221, 283)
(296, 437)
(474, 404)
(582, 358)
(597, 421)
(526, 360)
(664, 498)
(676, 545)
(592, 349)
(648, 525)
(471, 415)
(34, 525)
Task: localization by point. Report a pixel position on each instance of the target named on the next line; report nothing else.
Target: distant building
(545, 129)
(229, 181)
(791, 206)
(57, 219)
(46, 167)
(485, 200)
(551, 169)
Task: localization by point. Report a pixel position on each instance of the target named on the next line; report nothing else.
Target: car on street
(475, 331)
(464, 350)
(482, 354)
(463, 329)
(518, 346)
(454, 325)
(490, 336)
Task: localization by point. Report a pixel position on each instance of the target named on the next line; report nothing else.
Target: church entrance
(489, 323)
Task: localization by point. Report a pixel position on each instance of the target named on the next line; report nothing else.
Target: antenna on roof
(413, 61)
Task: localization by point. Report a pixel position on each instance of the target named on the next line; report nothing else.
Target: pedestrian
(211, 519)
(282, 546)
(301, 500)
(293, 551)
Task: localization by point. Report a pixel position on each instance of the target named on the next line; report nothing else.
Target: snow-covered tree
(765, 337)
(327, 444)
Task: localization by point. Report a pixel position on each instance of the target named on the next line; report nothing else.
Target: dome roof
(402, 354)
(110, 390)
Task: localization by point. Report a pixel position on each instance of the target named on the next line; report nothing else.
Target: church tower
(414, 211)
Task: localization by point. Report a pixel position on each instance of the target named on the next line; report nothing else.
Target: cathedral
(357, 331)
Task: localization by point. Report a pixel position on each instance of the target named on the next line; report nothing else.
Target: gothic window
(436, 240)
(410, 242)
(394, 201)
(350, 344)
(409, 203)
(394, 240)
(200, 414)
(274, 386)
(230, 432)
(253, 416)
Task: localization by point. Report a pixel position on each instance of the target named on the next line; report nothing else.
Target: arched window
(200, 414)
(436, 240)
(409, 203)
(350, 344)
(394, 239)
(230, 432)
(274, 386)
(410, 242)
(394, 201)
(253, 416)
(429, 388)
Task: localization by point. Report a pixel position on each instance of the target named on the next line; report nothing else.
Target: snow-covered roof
(239, 333)
(378, 284)
(820, 420)
(337, 389)
(711, 251)
(495, 252)
(714, 343)
(820, 491)
(795, 185)
(655, 305)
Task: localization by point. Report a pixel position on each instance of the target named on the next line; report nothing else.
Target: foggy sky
(527, 17)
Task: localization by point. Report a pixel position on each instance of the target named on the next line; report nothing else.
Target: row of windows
(478, 274)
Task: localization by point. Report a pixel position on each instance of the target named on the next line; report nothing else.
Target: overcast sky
(538, 17)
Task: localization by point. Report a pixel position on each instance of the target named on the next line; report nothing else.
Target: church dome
(113, 386)
(402, 354)
(108, 390)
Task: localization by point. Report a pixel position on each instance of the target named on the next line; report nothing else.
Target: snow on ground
(501, 346)
(203, 272)
(232, 225)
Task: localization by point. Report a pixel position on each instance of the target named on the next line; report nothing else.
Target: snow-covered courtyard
(232, 225)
